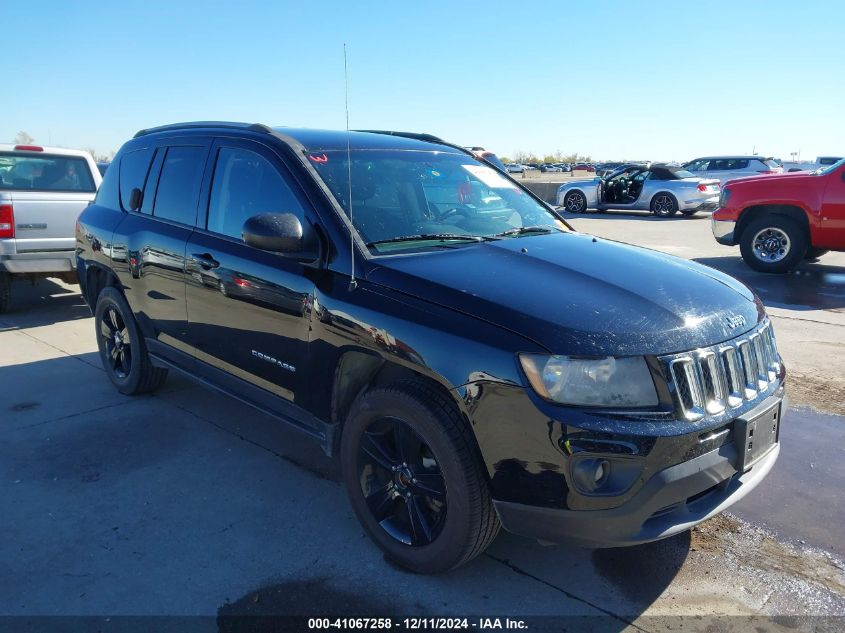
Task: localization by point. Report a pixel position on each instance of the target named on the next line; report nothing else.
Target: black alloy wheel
(122, 349)
(117, 343)
(402, 482)
(414, 476)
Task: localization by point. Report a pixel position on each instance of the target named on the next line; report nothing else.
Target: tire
(425, 527)
(664, 205)
(5, 291)
(689, 212)
(122, 350)
(813, 253)
(773, 244)
(575, 202)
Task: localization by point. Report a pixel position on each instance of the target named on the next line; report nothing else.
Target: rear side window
(134, 167)
(697, 165)
(728, 164)
(179, 184)
(45, 172)
(246, 184)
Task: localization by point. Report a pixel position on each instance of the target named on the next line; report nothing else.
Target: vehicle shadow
(811, 286)
(48, 301)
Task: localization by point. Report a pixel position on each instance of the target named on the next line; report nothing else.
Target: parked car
(102, 167)
(490, 157)
(726, 168)
(827, 161)
(548, 167)
(778, 222)
(42, 191)
(583, 167)
(471, 360)
(563, 167)
(515, 168)
(658, 188)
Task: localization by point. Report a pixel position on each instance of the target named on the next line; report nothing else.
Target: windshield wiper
(524, 230)
(451, 237)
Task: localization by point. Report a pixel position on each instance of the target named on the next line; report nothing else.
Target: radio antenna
(352, 281)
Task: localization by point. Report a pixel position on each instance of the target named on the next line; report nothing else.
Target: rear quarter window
(32, 171)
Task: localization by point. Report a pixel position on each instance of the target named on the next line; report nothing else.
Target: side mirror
(136, 197)
(281, 233)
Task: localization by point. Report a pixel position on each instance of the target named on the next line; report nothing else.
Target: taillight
(28, 148)
(7, 221)
(702, 187)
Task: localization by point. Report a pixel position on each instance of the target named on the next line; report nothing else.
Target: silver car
(662, 189)
(727, 168)
(42, 192)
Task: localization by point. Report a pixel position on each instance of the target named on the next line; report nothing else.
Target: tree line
(558, 157)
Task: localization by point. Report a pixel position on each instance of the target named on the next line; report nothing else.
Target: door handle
(205, 260)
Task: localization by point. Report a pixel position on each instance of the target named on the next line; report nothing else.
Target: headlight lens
(597, 382)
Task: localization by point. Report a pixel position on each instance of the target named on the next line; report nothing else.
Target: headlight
(597, 382)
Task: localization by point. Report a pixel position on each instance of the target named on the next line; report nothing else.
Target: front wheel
(122, 349)
(664, 205)
(411, 470)
(575, 202)
(773, 244)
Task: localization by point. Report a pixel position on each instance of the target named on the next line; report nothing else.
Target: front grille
(716, 379)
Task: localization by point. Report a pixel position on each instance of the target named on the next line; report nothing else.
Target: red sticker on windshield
(319, 159)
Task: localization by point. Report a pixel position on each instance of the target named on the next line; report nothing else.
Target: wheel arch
(750, 214)
(660, 192)
(96, 278)
(359, 370)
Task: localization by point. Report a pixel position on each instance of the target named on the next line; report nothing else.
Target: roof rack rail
(430, 138)
(255, 127)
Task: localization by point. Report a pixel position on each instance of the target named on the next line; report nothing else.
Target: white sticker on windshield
(489, 177)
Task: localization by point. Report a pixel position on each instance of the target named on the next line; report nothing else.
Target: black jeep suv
(472, 360)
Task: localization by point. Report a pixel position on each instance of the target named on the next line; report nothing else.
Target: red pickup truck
(779, 220)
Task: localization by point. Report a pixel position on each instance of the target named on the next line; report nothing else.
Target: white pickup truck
(42, 192)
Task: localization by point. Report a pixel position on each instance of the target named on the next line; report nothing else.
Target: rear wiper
(523, 230)
(443, 237)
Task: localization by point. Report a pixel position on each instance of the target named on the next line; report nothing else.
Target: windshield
(826, 170)
(444, 200)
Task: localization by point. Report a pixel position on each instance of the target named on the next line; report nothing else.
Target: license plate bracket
(754, 437)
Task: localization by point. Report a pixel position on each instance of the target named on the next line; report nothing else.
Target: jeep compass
(472, 361)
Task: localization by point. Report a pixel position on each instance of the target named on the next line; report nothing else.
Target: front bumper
(723, 231)
(671, 501)
(50, 262)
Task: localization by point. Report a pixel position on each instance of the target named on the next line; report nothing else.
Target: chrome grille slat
(713, 380)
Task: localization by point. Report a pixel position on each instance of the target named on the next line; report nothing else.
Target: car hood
(772, 178)
(575, 294)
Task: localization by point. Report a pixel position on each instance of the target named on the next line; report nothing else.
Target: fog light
(590, 473)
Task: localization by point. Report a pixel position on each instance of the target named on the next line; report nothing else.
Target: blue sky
(652, 80)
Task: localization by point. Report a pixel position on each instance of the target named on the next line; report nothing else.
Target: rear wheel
(122, 350)
(5, 291)
(773, 244)
(575, 202)
(414, 479)
(664, 205)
